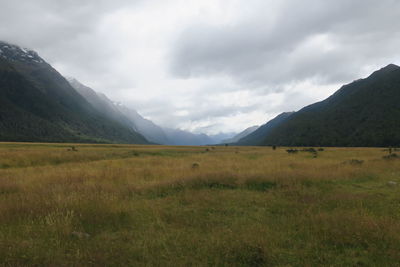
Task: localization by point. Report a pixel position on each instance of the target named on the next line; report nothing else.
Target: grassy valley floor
(121, 205)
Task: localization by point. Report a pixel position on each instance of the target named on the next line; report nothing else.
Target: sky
(209, 66)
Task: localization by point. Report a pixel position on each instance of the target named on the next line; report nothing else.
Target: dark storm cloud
(325, 40)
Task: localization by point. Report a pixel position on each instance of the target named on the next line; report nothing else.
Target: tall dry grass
(228, 206)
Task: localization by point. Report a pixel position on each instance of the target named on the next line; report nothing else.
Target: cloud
(69, 33)
(294, 41)
(209, 65)
(46, 22)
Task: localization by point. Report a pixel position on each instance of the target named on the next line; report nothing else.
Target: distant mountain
(149, 129)
(100, 102)
(183, 138)
(38, 104)
(257, 137)
(132, 119)
(363, 113)
(220, 137)
(240, 135)
(128, 117)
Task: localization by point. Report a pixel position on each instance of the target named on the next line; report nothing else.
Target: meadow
(127, 205)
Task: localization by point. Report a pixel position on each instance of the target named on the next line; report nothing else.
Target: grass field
(122, 205)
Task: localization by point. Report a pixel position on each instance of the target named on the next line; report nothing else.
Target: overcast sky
(209, 65)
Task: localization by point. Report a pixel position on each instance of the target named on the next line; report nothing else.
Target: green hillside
(363, 113)
(38, 104)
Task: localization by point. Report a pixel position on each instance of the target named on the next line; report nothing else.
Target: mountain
(240, 135)
(132, 119)
(100, 102)
(128, 117)
(38, 104)
(257, 137)
(363, 113)
(144, 126)
(179, 137)
(220, 137)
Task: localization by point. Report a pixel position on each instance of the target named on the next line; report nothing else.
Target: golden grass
(226, 206)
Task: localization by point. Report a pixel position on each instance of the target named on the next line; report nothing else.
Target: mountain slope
(240, 135)
(38, 104)
(131, 118)
(363, 113)
(183, 138)
(257, 137)
(124, 115)
(100, 102)
(144, 126)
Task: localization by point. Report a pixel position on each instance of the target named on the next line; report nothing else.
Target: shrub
(391, 156)
(354, 162)
(258, 185)
(195, 165)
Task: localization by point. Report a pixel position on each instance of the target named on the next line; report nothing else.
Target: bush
(391, 156)
(354, 162)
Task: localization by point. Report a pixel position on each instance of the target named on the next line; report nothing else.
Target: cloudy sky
(209, 65)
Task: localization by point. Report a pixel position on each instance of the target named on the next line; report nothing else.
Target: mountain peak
(393, 66)
(389, 68)
(384, 71)
(16, 53)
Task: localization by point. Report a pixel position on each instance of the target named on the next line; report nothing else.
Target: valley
(200, 133)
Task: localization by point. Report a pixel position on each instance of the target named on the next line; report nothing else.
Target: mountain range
(132, 119)
(37, 104)
(240, 135)
(365, 112)
(257, 137)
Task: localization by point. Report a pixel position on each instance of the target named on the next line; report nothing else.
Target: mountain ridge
(365, 112)
(39, 105)
(256, 137)
(240, 135)
(131, 118)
